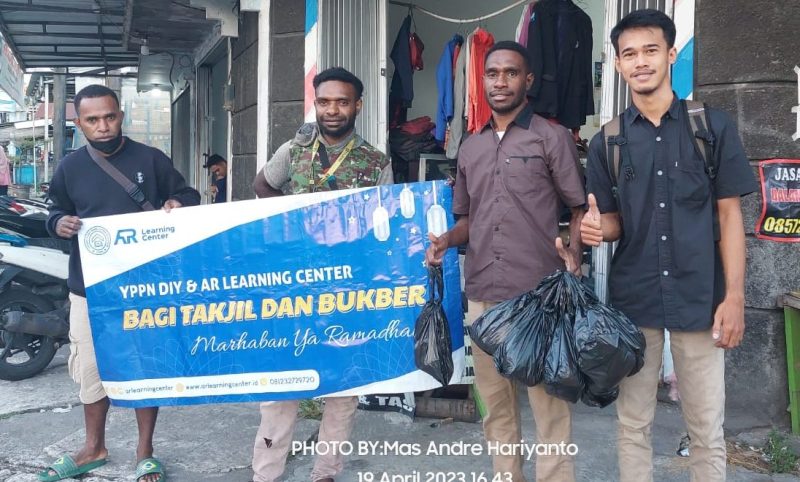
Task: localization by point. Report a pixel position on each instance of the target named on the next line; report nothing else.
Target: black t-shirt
(667, 271)
(222, 190)
(80, 188)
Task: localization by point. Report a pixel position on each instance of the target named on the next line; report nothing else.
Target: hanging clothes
(478, 108)
(401, 92)
(444, 82)
(560, 46)
(456, 51)
(524, 22)
(459, 92)
(467, 62)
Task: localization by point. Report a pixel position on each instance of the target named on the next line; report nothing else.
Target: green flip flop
(66, 468)
(150, 466)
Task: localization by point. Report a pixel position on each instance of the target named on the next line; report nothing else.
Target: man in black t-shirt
(81, 189)
(219, 185)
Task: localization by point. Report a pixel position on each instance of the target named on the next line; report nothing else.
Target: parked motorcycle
(24, 217)
(34, 306)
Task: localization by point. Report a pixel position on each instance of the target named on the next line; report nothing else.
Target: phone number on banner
(773, 225)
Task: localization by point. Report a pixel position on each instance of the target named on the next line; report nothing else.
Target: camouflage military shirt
(293, 170)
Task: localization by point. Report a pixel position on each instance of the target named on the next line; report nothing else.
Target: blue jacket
(444, 82)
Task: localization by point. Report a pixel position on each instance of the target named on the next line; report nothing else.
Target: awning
(103, 34)
(66, 33)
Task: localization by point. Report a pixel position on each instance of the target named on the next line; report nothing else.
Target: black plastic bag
(561, 298)
(599, 399)
(522, 355)
(594, 346)
(433, 348)
(490, 330)
(609, 348)
(561, 376)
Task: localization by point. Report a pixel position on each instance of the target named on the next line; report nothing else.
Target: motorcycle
(34, 303)
(24, 217)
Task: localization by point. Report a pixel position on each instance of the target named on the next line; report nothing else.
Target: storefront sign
(271, 299)
(780, 192)
(11, 78)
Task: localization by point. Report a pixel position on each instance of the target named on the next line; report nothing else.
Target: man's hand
(571, 258)
(592, 224)
(437, 248)
(213, 190)
(68, 226)
(728, 329)
(172, 204)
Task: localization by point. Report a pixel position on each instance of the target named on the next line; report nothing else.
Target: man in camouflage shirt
(324, 156)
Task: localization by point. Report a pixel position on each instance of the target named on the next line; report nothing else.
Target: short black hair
(91, 92)
(342, 75)
(511, 45)
(214, 159)
(644, 18)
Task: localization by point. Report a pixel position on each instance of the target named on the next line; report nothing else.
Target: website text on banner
(270, 299)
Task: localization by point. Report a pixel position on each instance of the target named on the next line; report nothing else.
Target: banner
(780, 200)
(282, 298)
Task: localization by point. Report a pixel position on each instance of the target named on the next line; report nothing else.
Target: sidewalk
(211, 443)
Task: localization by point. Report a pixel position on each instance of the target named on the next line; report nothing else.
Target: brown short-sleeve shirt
(512, 189)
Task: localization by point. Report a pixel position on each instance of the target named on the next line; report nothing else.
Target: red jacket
(478, 110)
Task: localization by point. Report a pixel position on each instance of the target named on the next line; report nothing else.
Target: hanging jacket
(560, 45)
(457, 124)
(444, 83)
(478, 108)
(521, 35)
(401, 93)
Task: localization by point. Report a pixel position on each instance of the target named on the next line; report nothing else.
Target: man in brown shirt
(512, 177)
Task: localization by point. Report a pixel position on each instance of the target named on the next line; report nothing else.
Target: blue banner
(281, 298)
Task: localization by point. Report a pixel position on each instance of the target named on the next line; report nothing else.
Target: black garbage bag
(490, 330)
(561, 376)
(522, 355)
(594, 346)
(561, 297)
(600, 400)
(433, 348)
(609, 348)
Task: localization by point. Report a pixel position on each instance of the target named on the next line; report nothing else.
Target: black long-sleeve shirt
(80, 188)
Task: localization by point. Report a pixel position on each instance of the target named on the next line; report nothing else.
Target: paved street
(41, 418)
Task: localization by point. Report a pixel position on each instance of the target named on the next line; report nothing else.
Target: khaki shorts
(82, 362)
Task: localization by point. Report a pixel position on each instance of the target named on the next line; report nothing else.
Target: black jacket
(80, 188)
(560, 45)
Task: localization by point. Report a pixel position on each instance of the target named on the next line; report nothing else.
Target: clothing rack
(458, 20)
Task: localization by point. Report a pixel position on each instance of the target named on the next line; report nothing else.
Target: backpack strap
(698, 124)
(614, 140)
(126, 184)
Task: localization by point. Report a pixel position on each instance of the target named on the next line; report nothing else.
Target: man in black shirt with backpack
(111, 175)
(665, 179)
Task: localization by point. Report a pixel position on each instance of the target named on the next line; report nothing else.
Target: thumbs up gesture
(592, 224)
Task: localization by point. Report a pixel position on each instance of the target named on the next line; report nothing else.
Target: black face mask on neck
(107, 147)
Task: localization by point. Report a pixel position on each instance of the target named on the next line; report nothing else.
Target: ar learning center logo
(97, 240)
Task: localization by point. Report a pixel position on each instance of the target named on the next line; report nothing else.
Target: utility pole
(46, 131)
(59, 113)
(33, 143)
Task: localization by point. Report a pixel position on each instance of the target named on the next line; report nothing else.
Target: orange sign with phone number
(780, 204)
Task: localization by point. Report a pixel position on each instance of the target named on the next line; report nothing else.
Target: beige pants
(82, 363)
(501, 423)
(700, 368)
(274, 437)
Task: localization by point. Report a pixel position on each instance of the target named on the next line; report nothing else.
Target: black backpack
(697, 124)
